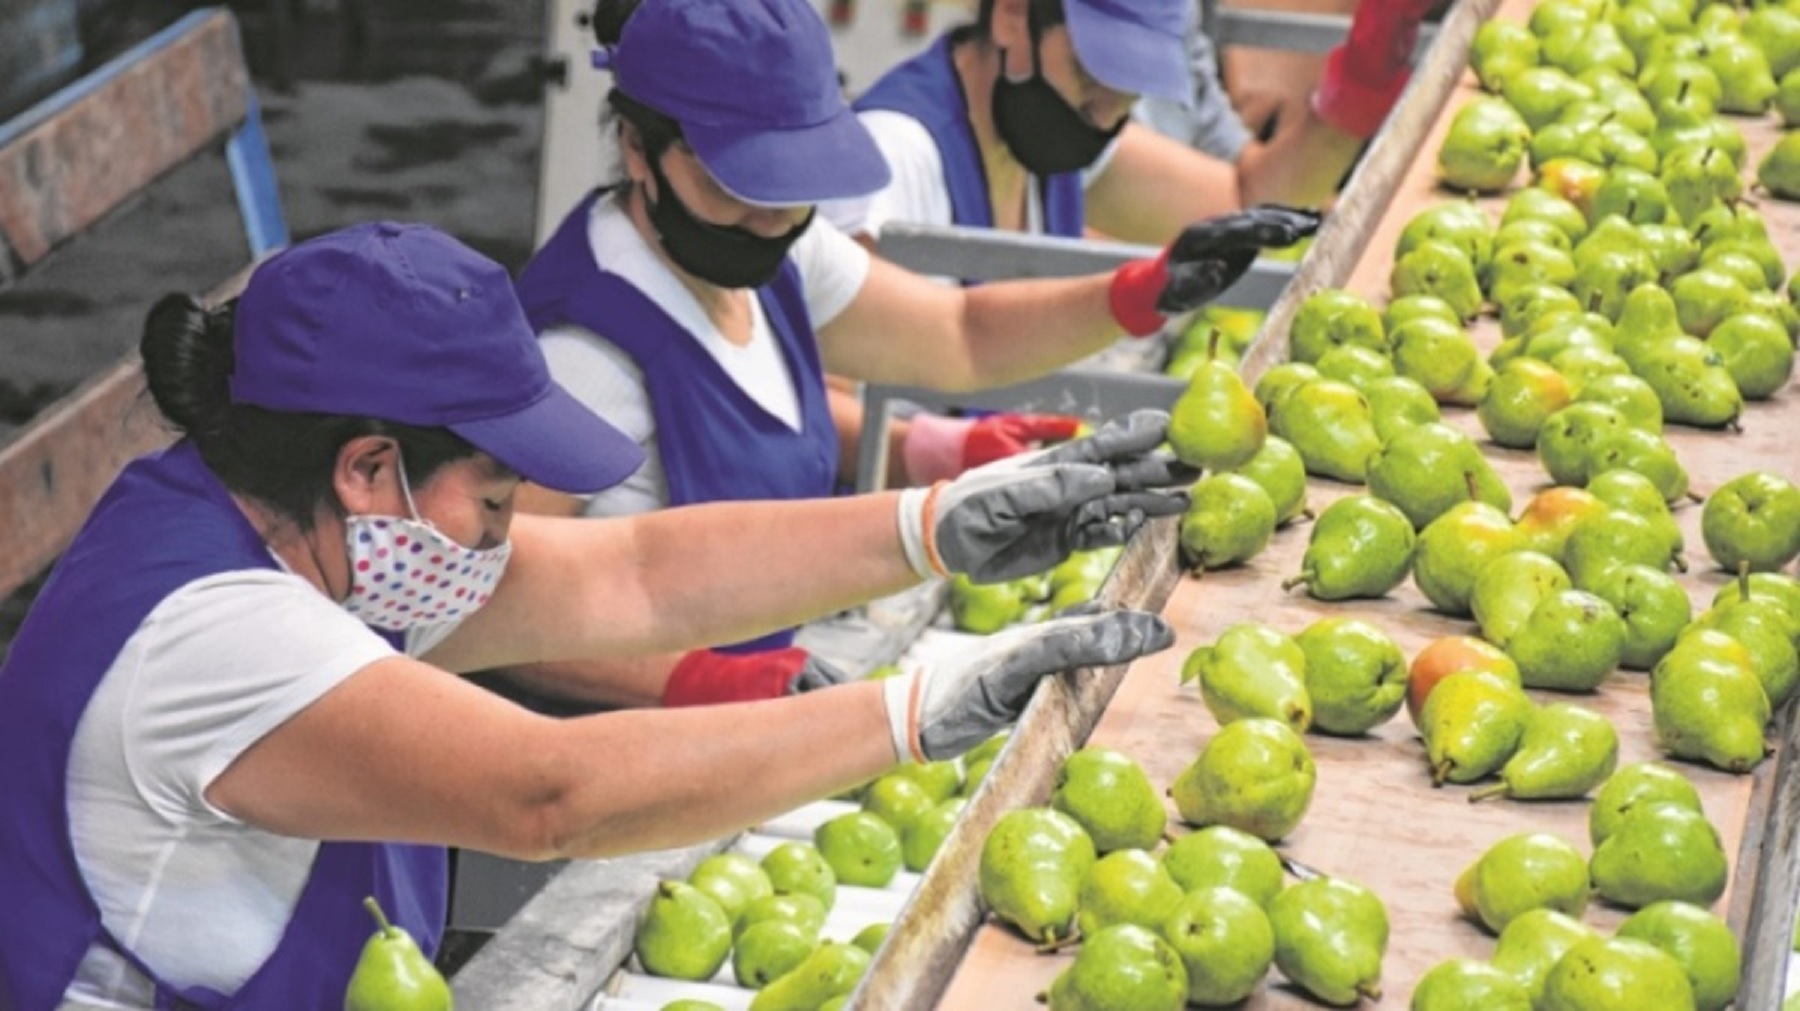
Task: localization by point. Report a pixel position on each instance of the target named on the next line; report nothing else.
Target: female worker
(700, 302)
(230, 714)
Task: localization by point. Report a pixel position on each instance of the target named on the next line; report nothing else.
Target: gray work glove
(815, 674)
(945, 708)
(1024, 514)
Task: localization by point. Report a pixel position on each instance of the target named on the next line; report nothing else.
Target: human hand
(1364, 75)
(1205, 259)
(937, 448)
(708, 677)
(942, 710)
(1025, 513)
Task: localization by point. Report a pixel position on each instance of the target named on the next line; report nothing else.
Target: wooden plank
(927, 940)
(68, 162)
(56, 469)
(1374, 817)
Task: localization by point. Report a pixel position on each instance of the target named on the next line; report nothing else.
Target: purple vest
(927, 89)
(715, 442)
(165, 522)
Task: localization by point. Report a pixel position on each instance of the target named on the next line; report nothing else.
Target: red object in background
(842, 11)
(915, 18)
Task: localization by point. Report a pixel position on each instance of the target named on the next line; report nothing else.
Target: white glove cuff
(917, 513)
(904, 697)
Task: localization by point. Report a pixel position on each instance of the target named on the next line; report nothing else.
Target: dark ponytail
(659, 131)
(283, 459)
(188, 361)
(608, 19)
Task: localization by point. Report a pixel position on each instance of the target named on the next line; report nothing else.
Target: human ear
(364, 475)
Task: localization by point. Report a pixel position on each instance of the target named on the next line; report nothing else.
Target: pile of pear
(766, 917)
(1655, 854)
(1165, 920)
(985, 608)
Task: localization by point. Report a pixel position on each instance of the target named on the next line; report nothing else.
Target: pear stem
(1743, 575)
(1212, 343)
(1371, 990)
(1488, 792)
(1052, 944)
(381, 920)
(1694, 496)
(1680, 560)
(1305, 577)
(1440, 772)
(1469, 482)
(1594, 300)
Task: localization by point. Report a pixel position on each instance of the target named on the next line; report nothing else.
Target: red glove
(1365, 75)
(939, 448)
(707, 677)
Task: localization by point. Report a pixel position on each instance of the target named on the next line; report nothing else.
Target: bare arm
(402, 751)
(1154, 187)
(675, 579)
(905, 329)
(1301, 164)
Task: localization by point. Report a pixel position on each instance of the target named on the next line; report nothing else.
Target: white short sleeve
(918, 192)
(832, 266)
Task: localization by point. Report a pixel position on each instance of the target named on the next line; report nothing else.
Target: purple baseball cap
(1134, 46)
(406, 324)
(754, 85)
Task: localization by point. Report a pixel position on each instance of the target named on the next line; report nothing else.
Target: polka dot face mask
(405, 573)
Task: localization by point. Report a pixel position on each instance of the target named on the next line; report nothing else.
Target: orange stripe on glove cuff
(904, 697)
(1132, 298)
(706, 677)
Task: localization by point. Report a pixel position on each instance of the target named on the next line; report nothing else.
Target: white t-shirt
(200, 896)
(603, 377)
(919, 192)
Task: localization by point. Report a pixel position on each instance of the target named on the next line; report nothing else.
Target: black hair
(658, 131)
(283, 459)
(1042, 14)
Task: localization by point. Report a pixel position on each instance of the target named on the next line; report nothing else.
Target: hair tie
(602, 58)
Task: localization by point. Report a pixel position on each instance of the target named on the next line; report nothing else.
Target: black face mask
(726, 256)
(1042, 130)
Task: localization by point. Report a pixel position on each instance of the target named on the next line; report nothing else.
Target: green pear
(1614, 537)
(1758, 352)
(1527, 306)
(1356, 366)
(1500, 48)
(803, 911)
(1122, 966)
(1032, 865)
(1630, 396)
(1278, 382)
(1787, 99)
(1644, 452)
(1460, 223)
(1254, 775)
(861, 847)
(1427, 469)
(1330, 937)
(831, 970)
(1672, 248)
(1252, 670)
(695, 1004)
(1126, 886)
(1540, 93)
(1771, 586)
(1766, 633)
(870, 938)
(1216, 424)
(1574, 179)
(1522, 263)
(941, 779)
(1397, 403)
(1225, 942)
(1330, 424)
(1277, 467)
(1109, 794)
(1707, 702)
(733, 880)
(1647, 318)
(897, 799)
(1567, 440)
(1776, 306)
(1700, 941)
(1462, 984)
(1509, 588)
(1360, 547)
(1637, 785)
(920, 841)
(1653, 605)
(1411, 307)
(1355, 675)
(1471, 723)
(1696, 176)
(1219, 856)
(1634, 195)
(1704, 298)
(1569, 642)
(1542, 205)
(1544, 22)
(983, 608)
(1770, 269)
(1554, 336)
(1776, 31)
(1531, 870)
(392, 974)
(1544, 524)
(1616, 972)
(1229, 519)
(1752, 520)
(769, 950)
(1452, 549)
(1604, 279)
(796, 867)
(1525, 230)
(1484, 147)
(1533, 942)
(1660, 851)
(1564, 752)
(1746, 82)
(1440, 269)
(683, 934)
(1523, 394)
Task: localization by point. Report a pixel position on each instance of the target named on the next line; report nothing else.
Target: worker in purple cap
(700, 302)
(234, 710)
(1022, 122)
